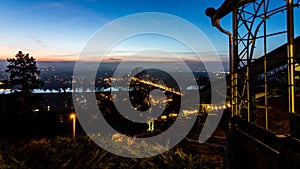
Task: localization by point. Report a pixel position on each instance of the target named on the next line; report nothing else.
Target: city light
(163, 117)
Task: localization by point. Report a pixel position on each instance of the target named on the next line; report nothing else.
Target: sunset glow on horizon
(59, 30)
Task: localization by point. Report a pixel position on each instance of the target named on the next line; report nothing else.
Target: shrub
(82, 152)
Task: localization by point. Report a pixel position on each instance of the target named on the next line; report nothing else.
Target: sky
(59, 30)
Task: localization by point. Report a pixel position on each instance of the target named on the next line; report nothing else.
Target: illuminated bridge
(264, 82)
(159, 86)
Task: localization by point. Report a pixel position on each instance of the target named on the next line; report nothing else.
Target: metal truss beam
(250, 25)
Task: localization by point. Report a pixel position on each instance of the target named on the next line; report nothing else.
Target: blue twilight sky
(58, 30)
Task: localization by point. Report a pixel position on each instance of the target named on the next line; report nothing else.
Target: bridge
(159, 86)
(264, 83)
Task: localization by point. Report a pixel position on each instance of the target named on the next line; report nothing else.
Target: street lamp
(73, 117)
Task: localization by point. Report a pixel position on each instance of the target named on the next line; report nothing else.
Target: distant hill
(59, 74)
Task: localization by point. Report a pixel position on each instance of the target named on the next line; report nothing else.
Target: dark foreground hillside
(81, 152)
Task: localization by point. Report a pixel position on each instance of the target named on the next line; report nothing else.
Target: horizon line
(118, 61)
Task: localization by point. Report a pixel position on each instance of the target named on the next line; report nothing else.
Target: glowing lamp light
(73, 117)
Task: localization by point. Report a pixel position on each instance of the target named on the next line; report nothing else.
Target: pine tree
(24, 73)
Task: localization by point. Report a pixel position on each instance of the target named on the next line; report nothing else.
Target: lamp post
(73, 117)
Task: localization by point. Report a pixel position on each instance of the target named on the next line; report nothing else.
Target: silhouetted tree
(24, 73)
(23, 78)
